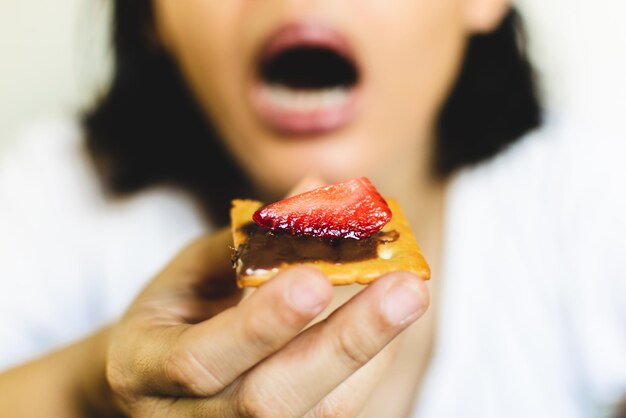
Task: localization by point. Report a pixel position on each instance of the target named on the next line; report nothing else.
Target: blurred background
(55, 58)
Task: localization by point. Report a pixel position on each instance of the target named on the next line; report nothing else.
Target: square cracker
(403, 254)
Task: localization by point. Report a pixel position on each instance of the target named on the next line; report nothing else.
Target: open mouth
(306, 81)
(316, 75)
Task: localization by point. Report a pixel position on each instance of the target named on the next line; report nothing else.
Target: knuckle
(330, 408)
(185, 371)
(124, 371)
(144, 409)
(120, 381)
(252, 404)
(354, 347)
(259, 331)
(289, 318)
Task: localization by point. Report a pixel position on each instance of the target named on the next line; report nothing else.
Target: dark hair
(149, 130)
(494, 101)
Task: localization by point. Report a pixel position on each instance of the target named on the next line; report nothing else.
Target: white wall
(52, 56)
(579, 47)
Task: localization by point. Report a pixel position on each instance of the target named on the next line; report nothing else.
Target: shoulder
(71, 258)
(550, 212)
(559, 192)
(48, 189)
(571, 172)
(46, 185)
(42, 178)
(48, 163)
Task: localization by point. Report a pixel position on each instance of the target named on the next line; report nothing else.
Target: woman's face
(338, 88)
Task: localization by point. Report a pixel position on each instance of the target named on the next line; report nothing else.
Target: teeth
(285, 98)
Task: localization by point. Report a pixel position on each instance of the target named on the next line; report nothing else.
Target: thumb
(203, 264)
(209, 256)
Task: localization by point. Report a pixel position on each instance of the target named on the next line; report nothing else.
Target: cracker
(402, 254)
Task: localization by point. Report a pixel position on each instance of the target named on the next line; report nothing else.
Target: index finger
(325, 355)
(202, 359)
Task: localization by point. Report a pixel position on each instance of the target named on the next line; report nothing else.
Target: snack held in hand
(347, 230)
(352, 209)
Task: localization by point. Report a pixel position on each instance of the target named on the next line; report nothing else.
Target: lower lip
(300, 113)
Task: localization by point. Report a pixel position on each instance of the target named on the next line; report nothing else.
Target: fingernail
(402, 301)
(307, 295)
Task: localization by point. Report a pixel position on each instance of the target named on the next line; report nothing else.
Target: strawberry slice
(351, 209)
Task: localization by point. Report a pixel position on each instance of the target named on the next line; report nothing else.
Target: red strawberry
(352, 209)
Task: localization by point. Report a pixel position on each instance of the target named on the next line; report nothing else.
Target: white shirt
(532, 312)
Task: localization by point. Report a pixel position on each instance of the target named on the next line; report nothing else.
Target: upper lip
(305, 34)
(284, 113)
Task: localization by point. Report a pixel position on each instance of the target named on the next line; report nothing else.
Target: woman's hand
(188, 347)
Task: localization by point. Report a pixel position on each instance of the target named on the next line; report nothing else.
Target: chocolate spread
(265, 249)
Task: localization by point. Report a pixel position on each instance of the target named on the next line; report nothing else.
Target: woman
(231, 99)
